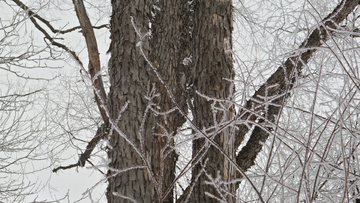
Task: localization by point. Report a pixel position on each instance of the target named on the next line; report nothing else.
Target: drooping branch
(101, 133)
(281, 82)
(34, 15)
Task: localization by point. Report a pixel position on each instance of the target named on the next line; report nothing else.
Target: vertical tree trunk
(165, 43)
(213, 61)
(129, 79)
(149, 100)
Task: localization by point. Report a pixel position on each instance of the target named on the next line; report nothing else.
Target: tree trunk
(213, 63)
(152, 117)
(130, 177)
(168, 92)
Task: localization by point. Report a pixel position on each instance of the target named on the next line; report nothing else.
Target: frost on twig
(101, 133)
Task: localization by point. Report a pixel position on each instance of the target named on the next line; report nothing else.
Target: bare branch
(47, 23)
(79, 27)
(93, 53)
(282, 81)
(47, 35)
(101, 133)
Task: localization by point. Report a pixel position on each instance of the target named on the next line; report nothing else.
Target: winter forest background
(179, 101)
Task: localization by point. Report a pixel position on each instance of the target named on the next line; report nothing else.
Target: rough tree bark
(130, 177)
(152, 117)
(212, 42)
(165, 45)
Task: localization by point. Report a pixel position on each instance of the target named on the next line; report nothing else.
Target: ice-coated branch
(101, 133)
(282, 82)
(47, 23)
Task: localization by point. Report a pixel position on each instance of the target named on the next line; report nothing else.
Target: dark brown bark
(133, 81)
(213, 65)
(129, 81)
(165, 55)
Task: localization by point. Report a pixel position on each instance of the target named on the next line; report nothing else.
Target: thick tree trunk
(213, 65)
(130, 177)
(151, 119)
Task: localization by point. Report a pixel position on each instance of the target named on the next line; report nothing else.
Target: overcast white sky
(73, 182)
